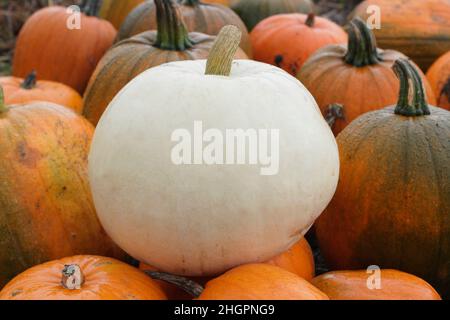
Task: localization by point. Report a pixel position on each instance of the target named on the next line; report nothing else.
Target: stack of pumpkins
(73, 201)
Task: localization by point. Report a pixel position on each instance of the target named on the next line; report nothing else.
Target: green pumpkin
(253, 11)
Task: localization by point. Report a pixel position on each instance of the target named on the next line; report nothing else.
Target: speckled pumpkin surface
(46, 209)
(392, 205)
(198, 16)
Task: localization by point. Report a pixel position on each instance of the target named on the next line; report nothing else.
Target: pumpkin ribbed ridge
(198, 17)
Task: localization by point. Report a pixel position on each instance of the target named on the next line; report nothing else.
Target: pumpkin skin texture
(130, 57)
(260, 282)
(115, 11)
(198, 17)
(235, 220)
(254, 11)
(357, 75)
(393, 198)
(288, 40)
(20, 91)
(439, 77)
(104, 279)
(395, 285)
(222, 2)
(298, 259)
(45, 201)
(419, 29)
(59, 54)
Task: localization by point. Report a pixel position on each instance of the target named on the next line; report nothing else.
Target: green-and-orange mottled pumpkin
(115, 11)
(46, 208)
(254, 11)
(199, 17)
(392, 204)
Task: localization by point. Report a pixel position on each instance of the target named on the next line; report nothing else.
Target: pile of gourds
(88, 187)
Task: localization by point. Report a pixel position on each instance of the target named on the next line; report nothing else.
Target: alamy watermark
(73, 22)
(374, 280)
(374, 19)
(228, 147)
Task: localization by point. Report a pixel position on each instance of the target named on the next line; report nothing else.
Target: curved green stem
(362, 45)
(172, 33)
(189, 286)
(412, 100)
(190, 2)
(3, 107)
(30, 81)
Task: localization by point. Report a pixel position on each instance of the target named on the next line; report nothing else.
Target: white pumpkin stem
(72, 277)
(222, 53)
(189, 286)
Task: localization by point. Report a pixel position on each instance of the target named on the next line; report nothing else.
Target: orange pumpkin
(45, 198)
(59, 53)
(82, 278)
(358, 285)
(198, 16)
(260, 282)
(419, 29)
(298, 259)
(18, 91)
(392, 204)
(128, 58)
(358, 76)
(439, 77)
(115, 11)
(288, 40)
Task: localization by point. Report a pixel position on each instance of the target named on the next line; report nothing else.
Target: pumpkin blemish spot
(27, 156)
(278, 60)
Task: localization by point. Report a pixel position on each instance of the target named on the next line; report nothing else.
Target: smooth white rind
(198, 219)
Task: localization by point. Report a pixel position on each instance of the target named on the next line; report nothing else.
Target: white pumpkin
(203, 219)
